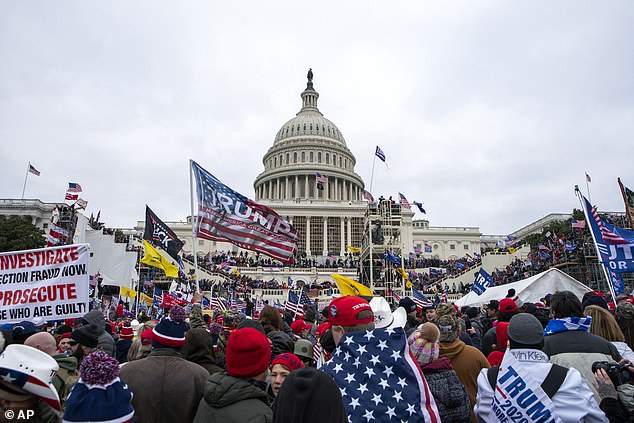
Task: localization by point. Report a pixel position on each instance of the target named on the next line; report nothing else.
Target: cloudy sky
(489, 112)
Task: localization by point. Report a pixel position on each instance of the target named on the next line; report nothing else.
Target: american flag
(403, 201)
(579, 224)
(321, 179)
(606, 234)
(33, 170)
(397, 298)
(294, 304)
(379, 380)
(427, 248)
(225, 215)
(368, 196)
(304, 298)
(217, 303)
(74, 187)
(71, 196)
(420, 299)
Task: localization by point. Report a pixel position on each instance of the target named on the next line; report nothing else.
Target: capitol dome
(309, 159)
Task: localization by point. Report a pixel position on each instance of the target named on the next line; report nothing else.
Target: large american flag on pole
(294, 305)
(379, 380)
(420, 299)
(225, 215)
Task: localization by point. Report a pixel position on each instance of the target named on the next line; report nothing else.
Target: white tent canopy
(529, 290)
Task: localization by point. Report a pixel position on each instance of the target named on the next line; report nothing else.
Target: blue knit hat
(170, 331)
(99, 395)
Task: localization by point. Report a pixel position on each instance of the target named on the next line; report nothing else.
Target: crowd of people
(564, 358)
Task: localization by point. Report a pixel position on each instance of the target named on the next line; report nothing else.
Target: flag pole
(27, 176)
(587, 215)
(628, 215)
(588, 188)
(191, 196)
(372, 175)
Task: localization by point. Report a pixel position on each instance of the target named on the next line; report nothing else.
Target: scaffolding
(382, 233)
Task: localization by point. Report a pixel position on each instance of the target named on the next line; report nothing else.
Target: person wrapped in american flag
(374, 369)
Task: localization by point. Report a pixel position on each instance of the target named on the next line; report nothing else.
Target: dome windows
(327, 158)
(311, 156)
(303, 156)
(288, 158)
(295, 157)
(319, 157)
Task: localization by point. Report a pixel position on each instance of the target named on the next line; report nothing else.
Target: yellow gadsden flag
(127, 292)
(147, 299)
(404, 275)
(354, 250)
(155, 259)
(349, 287)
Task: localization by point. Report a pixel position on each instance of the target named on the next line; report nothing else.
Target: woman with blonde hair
(605, 325)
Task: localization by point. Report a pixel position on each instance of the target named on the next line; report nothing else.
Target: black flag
(158, 233)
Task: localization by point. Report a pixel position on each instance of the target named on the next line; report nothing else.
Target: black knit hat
(86, 335)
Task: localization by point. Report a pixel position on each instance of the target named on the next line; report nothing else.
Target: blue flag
(615, 245)
(380, 154)
(420, 207)
(617, 283)
(482, 281)
(391, 258)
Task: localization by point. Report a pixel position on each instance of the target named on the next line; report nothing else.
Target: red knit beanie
(288, 360)
(248, 353)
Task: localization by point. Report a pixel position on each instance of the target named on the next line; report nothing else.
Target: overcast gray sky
(489, 112)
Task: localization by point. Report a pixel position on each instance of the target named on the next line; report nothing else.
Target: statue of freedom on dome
(310, 74)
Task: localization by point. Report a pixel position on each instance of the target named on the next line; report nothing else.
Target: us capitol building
(329, 214)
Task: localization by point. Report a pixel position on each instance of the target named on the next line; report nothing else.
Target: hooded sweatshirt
(227, 399)
(106, 341)
(199, 349)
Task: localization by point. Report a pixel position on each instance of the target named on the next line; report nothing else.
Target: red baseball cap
(298, 326)
(321, 329)
(343, 311)
(507, 305)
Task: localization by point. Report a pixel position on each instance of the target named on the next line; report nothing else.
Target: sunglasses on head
(72, 343)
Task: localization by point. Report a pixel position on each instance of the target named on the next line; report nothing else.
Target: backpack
(64, 380)
(550, 385)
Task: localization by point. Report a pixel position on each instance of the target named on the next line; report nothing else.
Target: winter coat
(449, 393)
(166, 387)
(573, 401)
(122, 347)
(467, 361)
(106, 341)
(579, 349)
(228, 399)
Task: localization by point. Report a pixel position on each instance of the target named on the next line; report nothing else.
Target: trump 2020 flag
(228, 216)
(379, 380)
(615, 244)
(482, 281)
